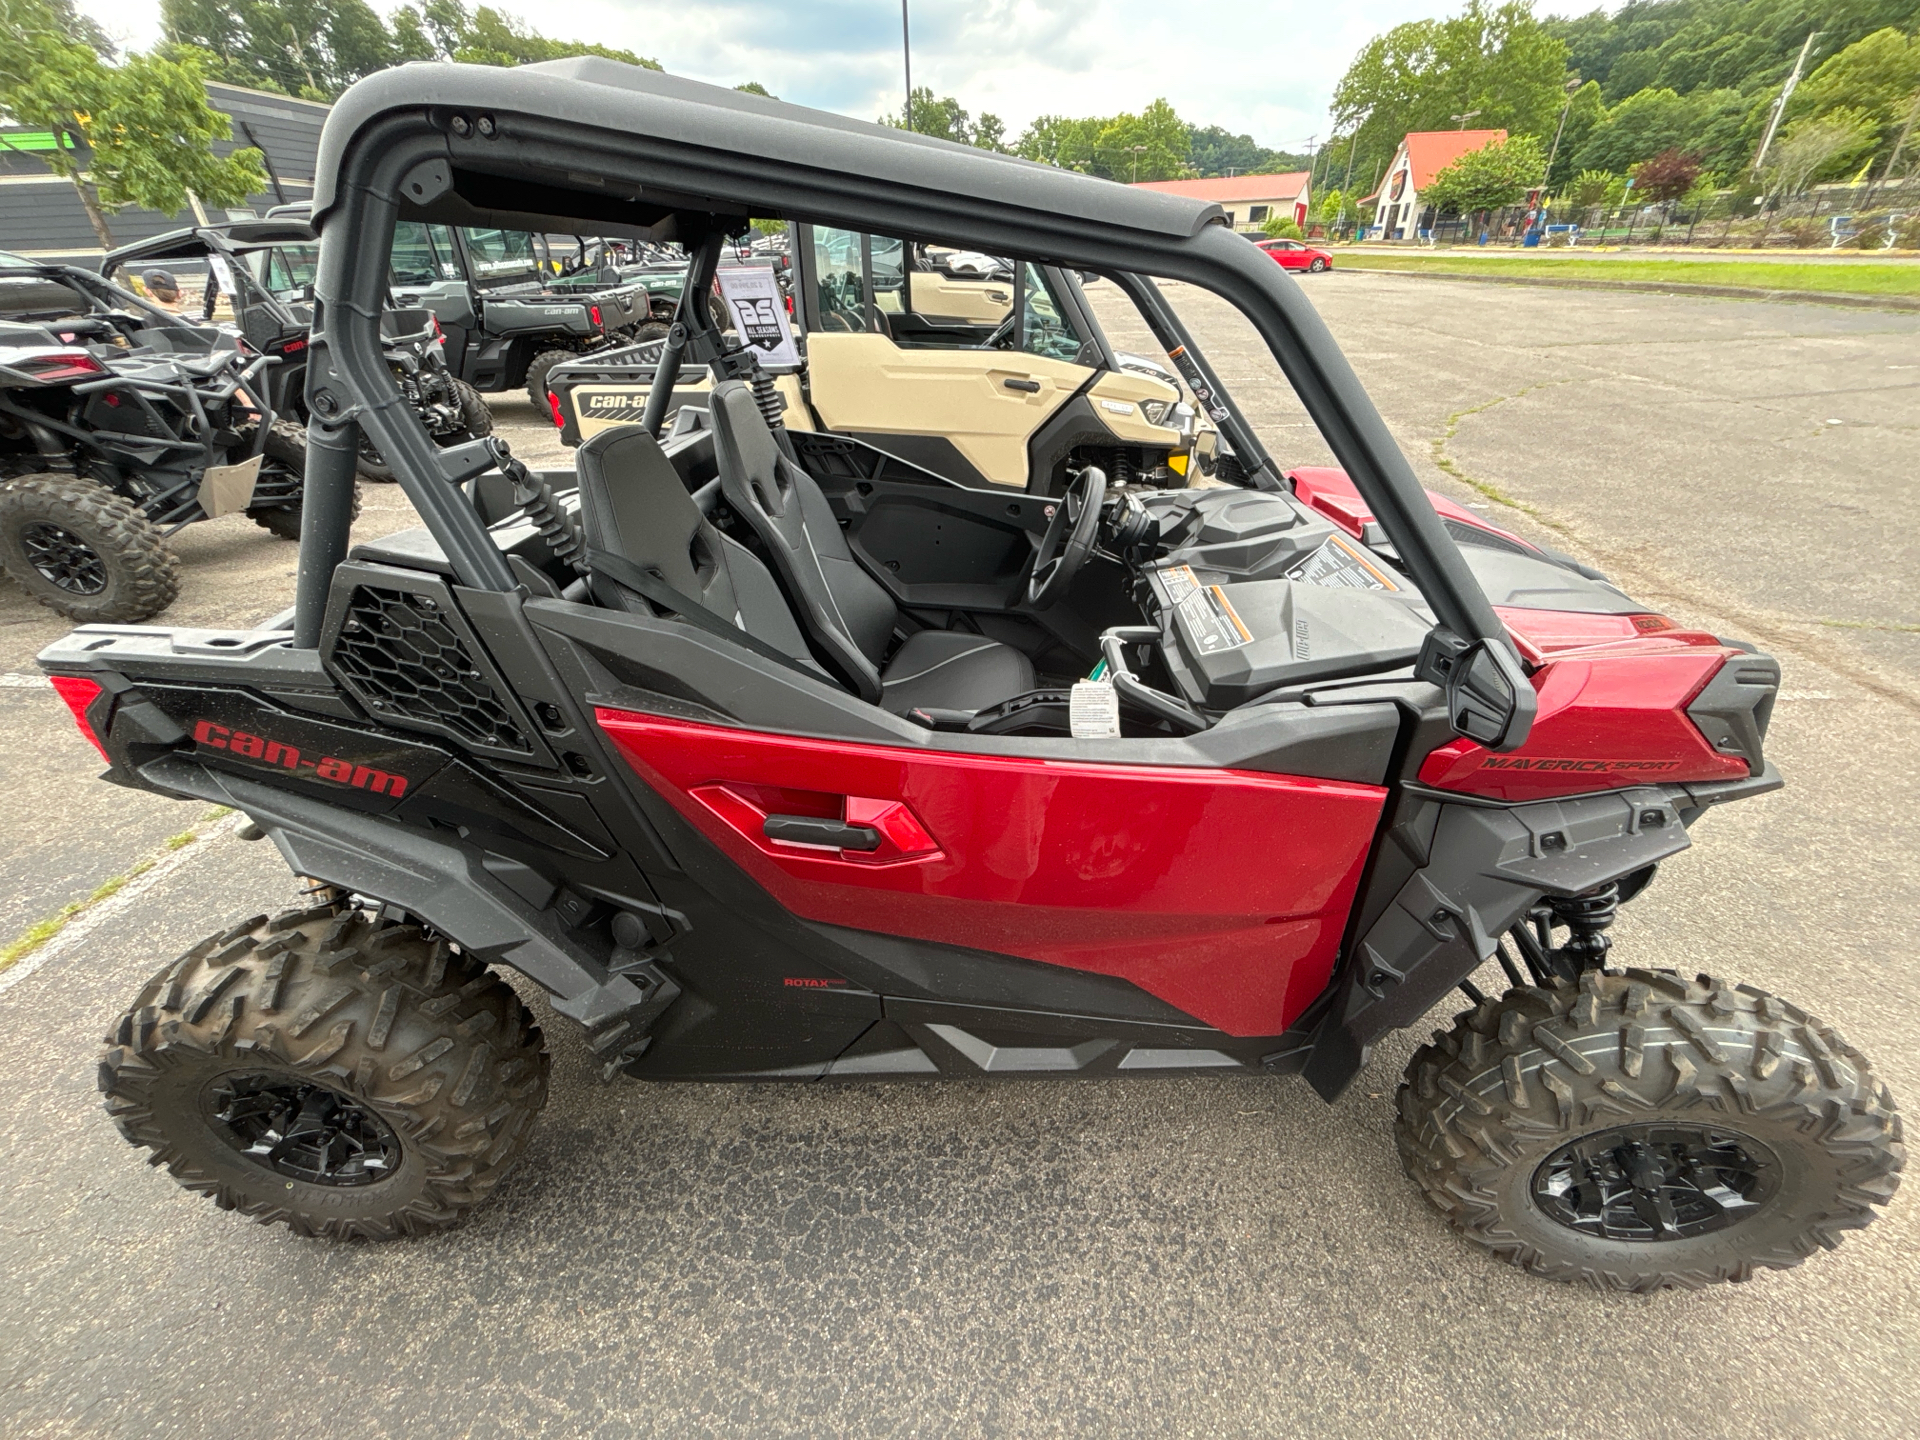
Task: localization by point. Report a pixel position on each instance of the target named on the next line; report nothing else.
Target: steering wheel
(1055, 565)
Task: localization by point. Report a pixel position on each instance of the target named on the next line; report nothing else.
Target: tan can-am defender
(987, 382)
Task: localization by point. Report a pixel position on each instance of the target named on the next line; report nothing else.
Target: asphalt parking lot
(1191, 1256)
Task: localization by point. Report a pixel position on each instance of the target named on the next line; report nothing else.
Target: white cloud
(1262, 69)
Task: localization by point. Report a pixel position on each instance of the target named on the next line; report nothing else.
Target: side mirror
(1489, 698)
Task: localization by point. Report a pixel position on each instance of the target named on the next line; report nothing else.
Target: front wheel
(84, 552)
(1317, 266)
(330, 1074)
(1639, 1131)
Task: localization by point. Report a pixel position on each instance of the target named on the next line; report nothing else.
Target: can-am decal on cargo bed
(247, 746)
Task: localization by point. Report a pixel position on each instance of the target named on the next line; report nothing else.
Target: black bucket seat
(649, 546)
(846, 612)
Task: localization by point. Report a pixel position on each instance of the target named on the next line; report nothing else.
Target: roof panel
(708, 121)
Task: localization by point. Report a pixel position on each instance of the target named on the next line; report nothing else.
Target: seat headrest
(741, 433)
(634, 504)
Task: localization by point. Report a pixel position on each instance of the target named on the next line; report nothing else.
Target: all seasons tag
(1093, 711)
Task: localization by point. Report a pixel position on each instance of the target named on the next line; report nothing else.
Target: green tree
(1213, 150)
(1488, 178)
(1637, 129)
(1821, 147)
(1282, 227)
(140, 132)
(1333, 205)
(1060, 140)
(1149, 146)
(1497, 62)
(754, 87)
(945, 118)
(1590, 187)
(1879, 75)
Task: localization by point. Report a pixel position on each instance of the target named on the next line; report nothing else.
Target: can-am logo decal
(246, 746)
(1610, 767)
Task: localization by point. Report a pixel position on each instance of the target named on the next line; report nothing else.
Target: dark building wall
(41, 216)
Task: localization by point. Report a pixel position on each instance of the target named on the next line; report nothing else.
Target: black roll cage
(592, 145)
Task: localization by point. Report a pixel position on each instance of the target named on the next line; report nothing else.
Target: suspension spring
(1586, 917)
(772, 406)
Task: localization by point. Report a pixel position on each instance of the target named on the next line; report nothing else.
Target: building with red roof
(1249, 200)
(1422, 155)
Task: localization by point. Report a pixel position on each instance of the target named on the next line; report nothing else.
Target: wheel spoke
(304, 1131)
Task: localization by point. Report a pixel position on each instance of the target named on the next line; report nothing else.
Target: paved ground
(1195, 1256)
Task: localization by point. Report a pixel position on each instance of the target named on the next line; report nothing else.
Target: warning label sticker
(1205, 613)
(1340, 564)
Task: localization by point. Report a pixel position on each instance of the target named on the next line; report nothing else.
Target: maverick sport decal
(1610, 767)
(245, 745)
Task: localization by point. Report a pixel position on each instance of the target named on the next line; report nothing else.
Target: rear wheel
(474, 411)
(321, 1072)
(83, 551)
(1638, 1131)
(537, 369)
(281, 492)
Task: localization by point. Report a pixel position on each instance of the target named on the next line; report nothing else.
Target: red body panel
(1223, 892)
(1610, 717)
(1334, 495)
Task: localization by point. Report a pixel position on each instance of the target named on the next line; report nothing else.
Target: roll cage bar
(594, 145)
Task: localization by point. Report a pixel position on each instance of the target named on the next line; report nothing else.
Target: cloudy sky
(1266, 69)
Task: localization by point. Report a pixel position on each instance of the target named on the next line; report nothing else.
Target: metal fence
(1861, 217)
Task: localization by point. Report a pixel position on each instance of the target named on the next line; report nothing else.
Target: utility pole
(906, 52)
(1464, 118)
(1780, 105)
(1138, 151)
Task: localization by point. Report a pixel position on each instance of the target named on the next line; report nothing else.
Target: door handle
(814, 830)
(1032, 387)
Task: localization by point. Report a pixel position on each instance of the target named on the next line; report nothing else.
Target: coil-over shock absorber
(1586, 918)
(772, 406)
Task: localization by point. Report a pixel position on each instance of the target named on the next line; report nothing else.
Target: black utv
(120, 424)
(773, 760)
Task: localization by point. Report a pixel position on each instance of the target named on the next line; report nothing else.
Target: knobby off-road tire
(1488, 1110)
(425, 1065)
(475, 417)
(286, 444)
(116, 566)
(537, 369)
(473, 410)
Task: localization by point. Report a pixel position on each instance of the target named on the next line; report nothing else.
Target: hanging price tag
(759, 313)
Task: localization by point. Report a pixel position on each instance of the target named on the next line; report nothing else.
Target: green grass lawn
(1854, 279)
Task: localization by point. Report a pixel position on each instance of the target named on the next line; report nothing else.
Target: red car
(1293, 255)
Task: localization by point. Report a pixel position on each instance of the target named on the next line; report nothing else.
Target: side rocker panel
(1223, 893)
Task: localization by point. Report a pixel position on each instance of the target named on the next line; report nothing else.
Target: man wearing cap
(163, 290)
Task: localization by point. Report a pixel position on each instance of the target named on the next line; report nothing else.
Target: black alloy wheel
(301, 1130)
(64, 558)
(1654, 1183)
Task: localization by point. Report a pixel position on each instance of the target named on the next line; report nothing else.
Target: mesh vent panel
(406, 660)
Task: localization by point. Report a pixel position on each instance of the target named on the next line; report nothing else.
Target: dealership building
(1400, 213)
(1249, 200)
(41, 216)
